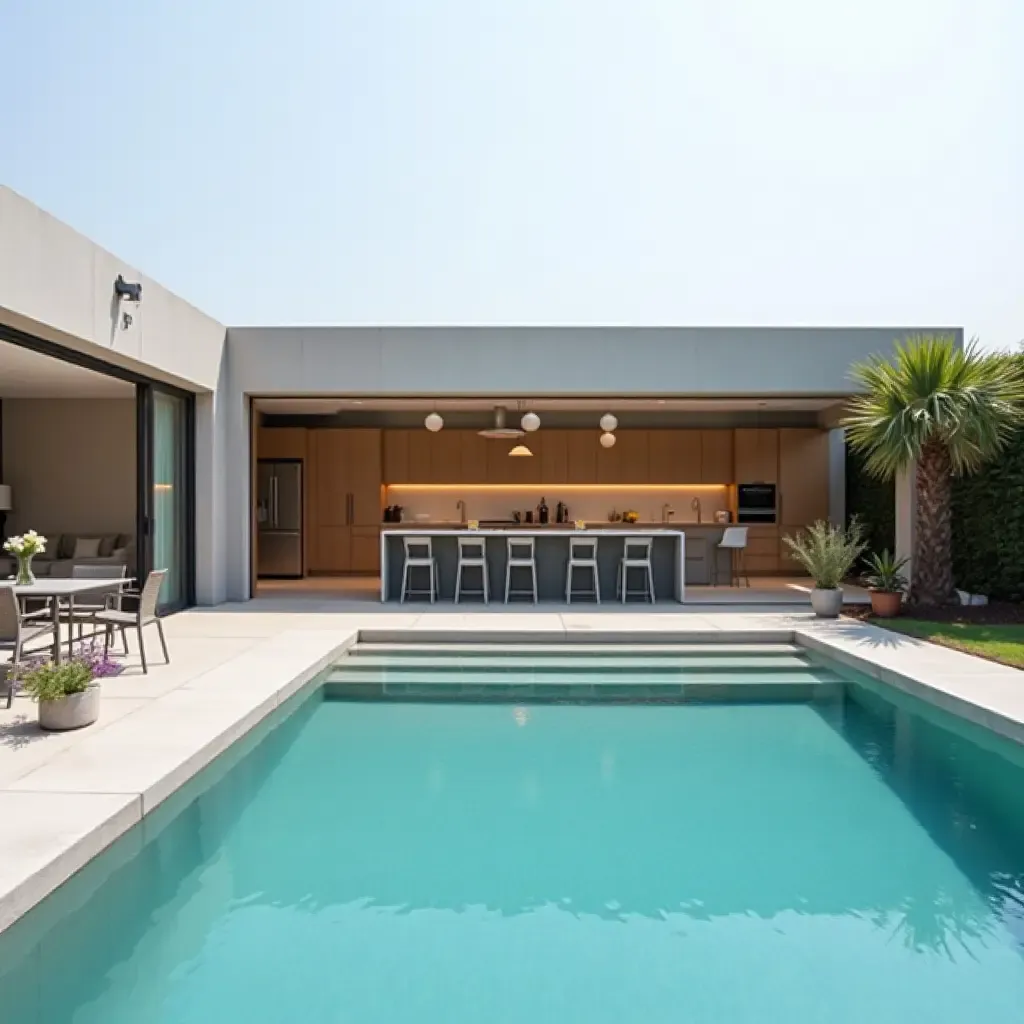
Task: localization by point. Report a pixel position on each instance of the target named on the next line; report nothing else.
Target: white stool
(520, 556)
(636, 554)
(419, 554)
(734, 540)
(582, 555)
(472, 555)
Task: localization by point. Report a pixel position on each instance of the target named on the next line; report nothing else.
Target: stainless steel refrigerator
(279, 517)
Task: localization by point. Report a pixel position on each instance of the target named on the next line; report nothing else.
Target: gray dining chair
(18, 628)
(145, 615)
(85, 610)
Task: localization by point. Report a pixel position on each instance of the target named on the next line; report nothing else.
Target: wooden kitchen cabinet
(473, 457)
(756, 455)
(554, 457)
(716, 457)
(762, 554)
(446, 457)
(281, 443)
(395, 445)
(630, 458)
(803, 476)
(674, 456)
(421, 456)
(583, 446)
(365, 549)
(343, 488)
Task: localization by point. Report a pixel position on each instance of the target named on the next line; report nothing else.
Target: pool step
(568, 651)
(401, 665)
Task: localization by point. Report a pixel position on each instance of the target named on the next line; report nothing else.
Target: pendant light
(520, 451)
(607, 439)
(608, 424)
(433, 422)
(530, 422)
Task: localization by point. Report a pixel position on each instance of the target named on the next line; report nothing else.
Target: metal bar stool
(734, 540)
(419, 554)
(472, 555)
(636, 554)
(521, 556)
(582, 555)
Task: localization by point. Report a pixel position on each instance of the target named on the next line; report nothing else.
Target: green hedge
(988, 521)
(988, 528)
(872, 501)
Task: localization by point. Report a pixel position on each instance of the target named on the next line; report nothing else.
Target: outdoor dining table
(65, 589)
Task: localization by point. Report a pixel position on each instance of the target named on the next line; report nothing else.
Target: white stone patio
(64, 797)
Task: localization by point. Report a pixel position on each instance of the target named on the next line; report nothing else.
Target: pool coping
(59, 816)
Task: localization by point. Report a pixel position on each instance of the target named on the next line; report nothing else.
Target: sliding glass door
(166, 491)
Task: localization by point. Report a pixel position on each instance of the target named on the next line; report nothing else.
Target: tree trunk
(933, 539)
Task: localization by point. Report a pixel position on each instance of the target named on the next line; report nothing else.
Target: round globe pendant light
(433, 423)
(530, 422)
(608, 424)
(607, 439)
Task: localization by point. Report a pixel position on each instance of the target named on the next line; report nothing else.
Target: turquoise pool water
(376, 862)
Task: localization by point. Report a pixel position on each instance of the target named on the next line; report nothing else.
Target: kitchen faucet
(695, 505)
(461, 506)
(667, 512)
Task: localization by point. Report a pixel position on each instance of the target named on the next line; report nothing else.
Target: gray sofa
(59, 557)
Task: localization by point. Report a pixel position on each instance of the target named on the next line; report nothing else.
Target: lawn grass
(998, 643)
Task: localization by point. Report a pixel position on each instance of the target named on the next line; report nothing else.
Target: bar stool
(734, 540)
(419, 554)
(520, 556)
(472, 555)
(636, 554)
(582, 555)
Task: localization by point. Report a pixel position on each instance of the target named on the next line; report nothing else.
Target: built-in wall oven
(757, 503)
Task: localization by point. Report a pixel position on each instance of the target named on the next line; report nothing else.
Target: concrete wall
(58, 285)
(525, 361)
(71, 464)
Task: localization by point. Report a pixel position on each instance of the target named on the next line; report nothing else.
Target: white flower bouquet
(24, 549)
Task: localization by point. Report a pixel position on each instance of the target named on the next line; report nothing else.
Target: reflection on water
(856, 861)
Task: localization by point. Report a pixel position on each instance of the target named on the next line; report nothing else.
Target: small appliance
(756, 503)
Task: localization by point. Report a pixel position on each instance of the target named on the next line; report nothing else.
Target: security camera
(130, 290)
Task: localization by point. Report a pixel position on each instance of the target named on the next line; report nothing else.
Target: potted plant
(887, 584)
(68, 693)
(827, 552)
(24, 549)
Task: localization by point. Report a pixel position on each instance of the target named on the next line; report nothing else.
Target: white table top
(65, 587)
(544, 531)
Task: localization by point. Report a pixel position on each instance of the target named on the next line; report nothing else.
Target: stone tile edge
(35, 887)
(932, 692)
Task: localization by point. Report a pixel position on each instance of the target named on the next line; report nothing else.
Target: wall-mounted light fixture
(128, 290)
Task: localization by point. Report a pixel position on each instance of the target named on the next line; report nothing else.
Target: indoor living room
(68, 462)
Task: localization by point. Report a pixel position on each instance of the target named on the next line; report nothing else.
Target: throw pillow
(107, 545)
(87, 547)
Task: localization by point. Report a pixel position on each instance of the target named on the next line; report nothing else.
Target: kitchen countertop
(595, 525)
(456, 531)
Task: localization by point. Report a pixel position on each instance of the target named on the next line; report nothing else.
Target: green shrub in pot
(886, 582)
(828, 553)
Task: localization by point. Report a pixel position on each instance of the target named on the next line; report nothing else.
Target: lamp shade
(520, 451)
(6, 498)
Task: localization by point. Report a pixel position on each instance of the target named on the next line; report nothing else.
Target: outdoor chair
(116, 618)
(85, 610)
(18, 628)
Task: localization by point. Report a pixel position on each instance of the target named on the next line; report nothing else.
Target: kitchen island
(668, 559)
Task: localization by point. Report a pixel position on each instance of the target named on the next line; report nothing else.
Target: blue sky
(527, 161)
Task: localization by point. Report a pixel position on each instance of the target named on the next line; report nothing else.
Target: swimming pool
(837, 854)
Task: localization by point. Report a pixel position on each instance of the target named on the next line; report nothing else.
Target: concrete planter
(827, 604)
(75, 711)
(886, 604)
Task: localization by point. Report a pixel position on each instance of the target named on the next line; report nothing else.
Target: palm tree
(948, 409)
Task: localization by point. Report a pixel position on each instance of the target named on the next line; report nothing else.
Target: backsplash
(590, 503)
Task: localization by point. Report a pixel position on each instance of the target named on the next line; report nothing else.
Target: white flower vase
(25, 576)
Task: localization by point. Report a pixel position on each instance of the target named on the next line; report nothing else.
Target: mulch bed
(999, 613)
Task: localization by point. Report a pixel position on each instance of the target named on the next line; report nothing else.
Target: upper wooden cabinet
(473, 461)
(803, 476)
(281, 443)
(395, 445)
(554, 457)
(674, 456)
(716, 457)
(582, 449)
(757, 455)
